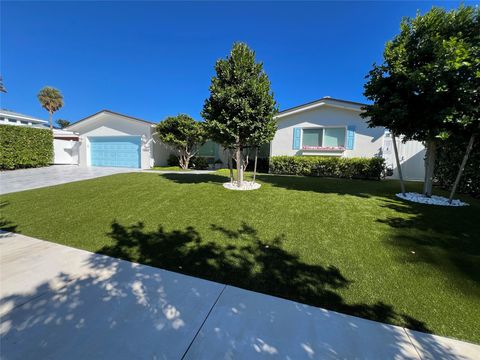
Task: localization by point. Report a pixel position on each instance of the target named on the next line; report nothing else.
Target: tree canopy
(183, 134)
(63, 123)
(240, 110)
(51, 100)
(428, 84)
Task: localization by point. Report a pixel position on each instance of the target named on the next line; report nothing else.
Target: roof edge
(110, 112)
(319, 102)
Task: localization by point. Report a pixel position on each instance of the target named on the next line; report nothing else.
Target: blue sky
(155, 59)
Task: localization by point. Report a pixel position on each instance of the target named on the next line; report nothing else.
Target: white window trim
(323, 148)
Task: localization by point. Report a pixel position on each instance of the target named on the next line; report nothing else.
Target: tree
(51, 100)
(239, 112)
(184, 135)
(423, 88)
(63, 123)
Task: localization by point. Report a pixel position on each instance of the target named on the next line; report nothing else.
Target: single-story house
(65, 143)
(334, 127)
(326, 127)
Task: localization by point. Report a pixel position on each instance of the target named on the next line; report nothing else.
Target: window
(312, 137)
(323, 138)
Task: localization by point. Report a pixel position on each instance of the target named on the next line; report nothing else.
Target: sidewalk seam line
(411, 342)
(203, 323)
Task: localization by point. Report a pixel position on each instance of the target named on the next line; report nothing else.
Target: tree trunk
(255, 164)
(51, 124)
(431, 157)
(399, 166)
(462, 166)
(239, 166)
(425, 162)
(230, 164)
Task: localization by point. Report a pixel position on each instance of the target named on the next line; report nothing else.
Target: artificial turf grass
(346, 245)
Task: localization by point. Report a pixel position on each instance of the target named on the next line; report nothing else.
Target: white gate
(411, 156)
(66, 151)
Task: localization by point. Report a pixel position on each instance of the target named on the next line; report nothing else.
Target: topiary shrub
(199, 163)
(173, 160)
(328, 166)
(448, 161)
(25, 147)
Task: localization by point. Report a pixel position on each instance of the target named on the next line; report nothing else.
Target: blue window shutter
(350, 137)
(296, 138)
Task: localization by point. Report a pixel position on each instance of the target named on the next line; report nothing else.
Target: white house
(108, 138)
(333, 127)
(326, 127)
(65, 143)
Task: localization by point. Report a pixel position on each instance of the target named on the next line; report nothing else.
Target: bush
(325, 166)
(173, 160)
(24, 147)
(449, 157)
(199, 163)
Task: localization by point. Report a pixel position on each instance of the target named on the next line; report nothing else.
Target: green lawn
(170, 168)
(346, 245)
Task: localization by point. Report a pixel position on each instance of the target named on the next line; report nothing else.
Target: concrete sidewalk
(59, 302)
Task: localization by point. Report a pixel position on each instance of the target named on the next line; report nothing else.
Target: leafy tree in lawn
(184, 135)
(428, 84)
(239, 112)
(63, 123)
(51, 100)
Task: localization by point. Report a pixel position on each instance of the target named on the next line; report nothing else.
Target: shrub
(199, 163)
(326, 166)
(449, 157)
(172, 160)
(24, 147)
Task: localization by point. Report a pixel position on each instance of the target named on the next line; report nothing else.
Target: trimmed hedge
(24, 147)
(449, 157)
(326, 166)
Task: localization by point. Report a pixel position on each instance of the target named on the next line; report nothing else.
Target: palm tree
(51, 100)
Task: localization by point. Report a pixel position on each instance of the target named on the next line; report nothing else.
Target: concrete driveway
(58, 302)
(26, 179)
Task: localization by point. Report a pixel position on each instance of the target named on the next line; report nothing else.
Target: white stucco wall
(368, 141)
(65, 151)
(107, 124)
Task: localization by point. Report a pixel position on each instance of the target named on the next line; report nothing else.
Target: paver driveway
(25, 179)
(59, 302)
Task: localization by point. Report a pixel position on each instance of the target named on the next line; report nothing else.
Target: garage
(111, 139)
(116, 151)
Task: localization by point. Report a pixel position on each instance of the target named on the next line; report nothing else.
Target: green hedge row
(339, 167)
(24, 147)
(449, 157)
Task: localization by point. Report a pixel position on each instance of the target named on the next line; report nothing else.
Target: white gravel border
(434, 200)
(246, 185)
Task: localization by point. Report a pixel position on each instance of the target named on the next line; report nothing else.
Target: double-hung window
(324, 138)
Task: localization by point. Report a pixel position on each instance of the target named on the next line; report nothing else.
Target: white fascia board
(21, 117)
(313, 106)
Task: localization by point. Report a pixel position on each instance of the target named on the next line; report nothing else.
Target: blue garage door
(118, 151)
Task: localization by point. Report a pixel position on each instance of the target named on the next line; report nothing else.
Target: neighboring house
(65, 143)
(333, 127)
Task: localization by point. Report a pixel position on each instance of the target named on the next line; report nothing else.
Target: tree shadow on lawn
(248, 262)
(119, 309)
(5, 225)
(355, 187)
(195, 178)
(436, 234)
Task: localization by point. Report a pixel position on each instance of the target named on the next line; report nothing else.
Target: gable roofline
(109, 112)
(326, 100)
